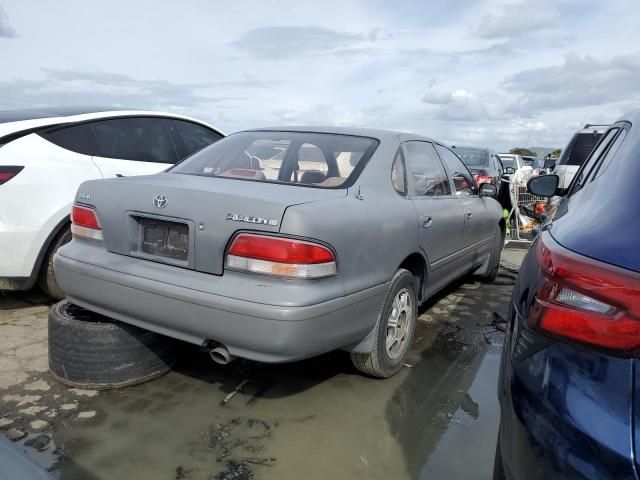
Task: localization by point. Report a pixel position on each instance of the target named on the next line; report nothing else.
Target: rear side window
(425, 173)
(398, 178)
(193, 137)
(462, 179)
(76, 138)
(299, 158)
(145, 139)
(579, 148)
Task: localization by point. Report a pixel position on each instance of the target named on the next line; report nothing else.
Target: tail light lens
(7, 172)
(284, 257)
(585, 300)
(85, 223)
(480, 179)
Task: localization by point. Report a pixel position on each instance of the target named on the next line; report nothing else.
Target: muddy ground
(317, 419)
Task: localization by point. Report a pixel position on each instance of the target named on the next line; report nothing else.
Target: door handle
(468, 214)
(426, 221)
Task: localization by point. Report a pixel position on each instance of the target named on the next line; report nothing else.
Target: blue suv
(569, 386)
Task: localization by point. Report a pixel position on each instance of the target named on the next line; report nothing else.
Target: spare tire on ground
(89, 350)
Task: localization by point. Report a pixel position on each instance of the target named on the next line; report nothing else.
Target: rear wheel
(88, 350)
(47, 279)
(395, 329)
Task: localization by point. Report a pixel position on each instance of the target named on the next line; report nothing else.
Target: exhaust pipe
(221, 355)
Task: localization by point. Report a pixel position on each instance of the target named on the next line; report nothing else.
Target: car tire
(494, 260)
(400, 302)
(88, 350)
(47, 278)
(498, 467)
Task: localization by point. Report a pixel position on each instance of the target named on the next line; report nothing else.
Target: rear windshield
(579, 148)
(299, 158)
(473, 157)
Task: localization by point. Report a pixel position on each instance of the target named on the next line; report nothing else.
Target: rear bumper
(565, 412)
(197, 307)
(20, 247)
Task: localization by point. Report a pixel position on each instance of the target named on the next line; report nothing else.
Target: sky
(494, 73)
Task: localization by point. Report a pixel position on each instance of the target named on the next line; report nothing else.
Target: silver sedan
(281, 244)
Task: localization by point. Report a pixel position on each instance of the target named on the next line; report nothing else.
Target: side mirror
(543, 185)
(509, 170)
(488, 190)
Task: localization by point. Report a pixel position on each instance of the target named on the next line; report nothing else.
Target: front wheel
(395, 329)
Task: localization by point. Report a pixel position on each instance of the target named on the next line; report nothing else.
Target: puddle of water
(316, 419)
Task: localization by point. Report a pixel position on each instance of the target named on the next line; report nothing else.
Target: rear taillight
(7, 172)
(284, 257)
(585, 300)
(480, 179)
(85, 223)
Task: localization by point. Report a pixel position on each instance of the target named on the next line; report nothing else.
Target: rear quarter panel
(373, 229)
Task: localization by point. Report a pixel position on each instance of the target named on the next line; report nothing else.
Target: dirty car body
(169, 251)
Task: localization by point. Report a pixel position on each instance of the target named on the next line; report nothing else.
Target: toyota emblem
(160, 201)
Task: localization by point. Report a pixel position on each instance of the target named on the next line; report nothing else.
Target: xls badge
(248, 219)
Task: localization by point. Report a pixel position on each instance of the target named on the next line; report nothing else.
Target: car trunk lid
(188, 220)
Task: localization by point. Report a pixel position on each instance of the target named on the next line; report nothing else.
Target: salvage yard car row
(277, 245)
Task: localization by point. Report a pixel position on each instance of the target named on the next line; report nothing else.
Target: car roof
(13, 122)
(486, 149)
(379, 134)
(49, 112)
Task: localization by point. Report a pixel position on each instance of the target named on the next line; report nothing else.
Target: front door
(439, 213)
(479, 224)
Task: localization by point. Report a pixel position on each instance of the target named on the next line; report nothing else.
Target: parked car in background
(576, 152)
(280, 245)
(570, 376)
(483, 163)
(46, 154)
(509, 160)
(529, 161)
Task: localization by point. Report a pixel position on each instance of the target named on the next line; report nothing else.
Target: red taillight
(7, 172)
(280, 256)
(480, 179)
(85, 223)
(585, 300)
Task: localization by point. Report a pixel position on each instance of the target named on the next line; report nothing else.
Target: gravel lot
(314, 419)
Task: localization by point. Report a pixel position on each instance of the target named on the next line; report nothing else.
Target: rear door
(133, 146)
(479, 225)
(440, 215)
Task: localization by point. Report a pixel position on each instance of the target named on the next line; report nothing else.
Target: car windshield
(509, 162)
(299, 158)
(473, 157)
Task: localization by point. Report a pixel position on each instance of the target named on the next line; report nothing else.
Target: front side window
(462, 179)
(299, 158)
(145, 139)
(594, 158)
(425, 174)
(579, 148)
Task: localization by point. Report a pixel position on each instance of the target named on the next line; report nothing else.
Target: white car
(44, 156)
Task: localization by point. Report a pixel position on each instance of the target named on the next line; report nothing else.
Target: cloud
(518, 19)
(579, 82)
(6, 30)
(462, 106)
(292, 41)
(73, 87)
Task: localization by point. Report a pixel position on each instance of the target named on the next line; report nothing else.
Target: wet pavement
(437, 418)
